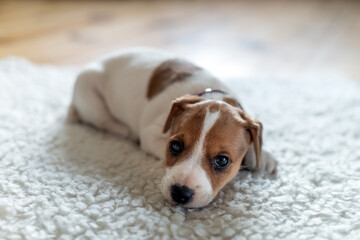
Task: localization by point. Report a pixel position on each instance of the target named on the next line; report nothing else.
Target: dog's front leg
(268, 163)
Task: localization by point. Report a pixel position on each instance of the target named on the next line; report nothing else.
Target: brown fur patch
(227, 137)
(167, 73)
(178, 107)
(255, 128)
(187, 129)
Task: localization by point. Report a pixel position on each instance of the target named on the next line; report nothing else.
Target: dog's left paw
(268, 163)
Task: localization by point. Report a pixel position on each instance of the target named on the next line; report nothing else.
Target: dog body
(160, 100)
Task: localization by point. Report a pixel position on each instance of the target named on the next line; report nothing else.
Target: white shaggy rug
(61, 181)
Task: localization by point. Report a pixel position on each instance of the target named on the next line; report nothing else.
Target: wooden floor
(232, 38)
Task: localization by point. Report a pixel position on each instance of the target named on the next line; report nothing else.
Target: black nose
(181, 194)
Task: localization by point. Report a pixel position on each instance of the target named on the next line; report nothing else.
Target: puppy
(180, 113)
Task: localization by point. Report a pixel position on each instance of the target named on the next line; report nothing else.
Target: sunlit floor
(231, 38)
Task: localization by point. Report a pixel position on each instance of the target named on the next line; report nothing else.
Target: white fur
(120, 81)
(190, 172)
(209, 121)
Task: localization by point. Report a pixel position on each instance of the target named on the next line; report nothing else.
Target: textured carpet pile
(61, 181)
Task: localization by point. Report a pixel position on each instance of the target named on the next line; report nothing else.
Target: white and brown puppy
(180, 113)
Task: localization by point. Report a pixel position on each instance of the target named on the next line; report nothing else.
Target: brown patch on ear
(167, 73)
(233, 102)
(255, 128)
(178, 106)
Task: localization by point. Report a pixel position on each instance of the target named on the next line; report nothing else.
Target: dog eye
(176, 147)
(220, 162)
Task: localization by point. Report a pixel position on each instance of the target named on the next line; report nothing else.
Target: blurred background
(232, 38)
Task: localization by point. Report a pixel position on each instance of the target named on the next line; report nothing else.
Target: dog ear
(255, 128)
(178, 106)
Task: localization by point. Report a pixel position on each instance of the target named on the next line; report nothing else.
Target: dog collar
(210, 90)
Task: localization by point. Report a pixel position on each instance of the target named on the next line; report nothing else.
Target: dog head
(208, 141)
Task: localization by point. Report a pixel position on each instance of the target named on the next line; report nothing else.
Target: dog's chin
(194, 204)
(198, 204)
